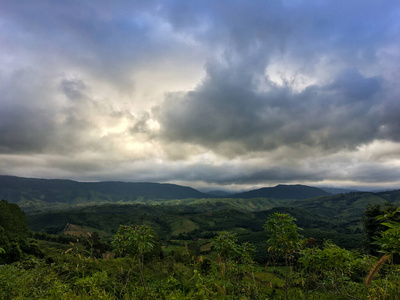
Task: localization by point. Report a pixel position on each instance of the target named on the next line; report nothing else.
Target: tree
(13, 232)
(283, 235)
(225, 244)
(136, 242)
(13, 220)
(235, 261)
(389, 241)
(283, 240)
(230, 251)
(94, 245)
(373, 226)
(333, 269)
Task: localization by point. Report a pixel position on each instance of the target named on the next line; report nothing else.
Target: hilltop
(32, 192)
(282, 191)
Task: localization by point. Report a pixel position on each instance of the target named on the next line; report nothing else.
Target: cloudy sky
(221, 94)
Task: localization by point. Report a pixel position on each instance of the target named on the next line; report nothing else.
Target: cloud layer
(201, 92)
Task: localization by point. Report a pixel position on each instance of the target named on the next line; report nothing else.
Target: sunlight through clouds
(239, 95)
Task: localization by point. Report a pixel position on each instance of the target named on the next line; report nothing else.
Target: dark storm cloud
(73, 88)
(241, 176)
(309, 28)
(228, 111)
(105, 39)
(342, 114)
(298, 86)
(25, 123)
(373, 173)
(19, 133)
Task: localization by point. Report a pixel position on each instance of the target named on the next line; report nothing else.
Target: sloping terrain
(336, 217)
(284, 192)
(30, 193)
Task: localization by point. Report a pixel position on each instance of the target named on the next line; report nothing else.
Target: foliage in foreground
(300, 269)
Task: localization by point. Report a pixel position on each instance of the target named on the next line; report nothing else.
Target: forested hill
(47, 194)
(284, 192)
(29, 190)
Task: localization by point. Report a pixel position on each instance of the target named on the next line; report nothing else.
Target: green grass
(182, 226)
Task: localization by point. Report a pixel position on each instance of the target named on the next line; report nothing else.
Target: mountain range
(19, 189)
(281, 191)
(31, 193)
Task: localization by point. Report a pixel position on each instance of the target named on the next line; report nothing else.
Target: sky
(227, 95)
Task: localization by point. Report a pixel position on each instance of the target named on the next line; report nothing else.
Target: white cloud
(201, 93)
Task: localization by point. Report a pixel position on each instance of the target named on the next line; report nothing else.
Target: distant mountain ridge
(219, 193)
(282, 191)
(30, 190)
(32, 193)
(337, 191)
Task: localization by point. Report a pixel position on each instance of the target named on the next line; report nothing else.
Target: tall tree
(136, 242)
(13, 231)
(13, 220)
(373, 224)
(283, 240)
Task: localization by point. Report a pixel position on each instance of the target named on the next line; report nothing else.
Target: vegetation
(283, 241)
(48, 194)
(309, 249)
(284, 192)
(36, 194)
(135, 241)
(13, 233)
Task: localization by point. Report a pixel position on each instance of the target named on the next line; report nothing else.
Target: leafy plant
(389, 242)
(335, 270)
(283, 240)
(136, 242)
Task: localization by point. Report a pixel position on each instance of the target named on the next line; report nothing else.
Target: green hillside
(48, 194)
(186, 235)
(34, 194)
(281, 191)
(335, 217)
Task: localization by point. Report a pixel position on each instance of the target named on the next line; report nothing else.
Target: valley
(85, 219)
